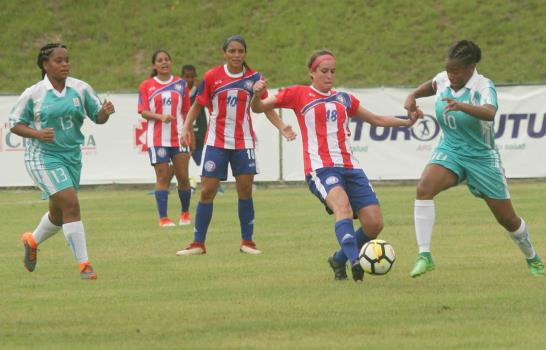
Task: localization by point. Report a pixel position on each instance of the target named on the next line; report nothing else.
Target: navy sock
(346, 239)
(361, 238)
(162, 198)
(246, 218)
(185, 196)
(203, 216)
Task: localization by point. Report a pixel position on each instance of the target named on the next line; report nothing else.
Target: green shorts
(484, 175)
(52, 176)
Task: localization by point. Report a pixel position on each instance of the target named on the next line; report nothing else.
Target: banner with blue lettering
(115, 152)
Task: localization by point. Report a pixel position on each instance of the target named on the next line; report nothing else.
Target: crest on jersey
(210, 165)
(76, 102)
(248, 85)
(162, 152)
(332, 180)
(178, 87)
(340, 99)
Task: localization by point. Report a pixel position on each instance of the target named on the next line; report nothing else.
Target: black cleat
(340, 270)
(358, 272)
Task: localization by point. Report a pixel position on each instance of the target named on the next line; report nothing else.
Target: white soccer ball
(377, 257)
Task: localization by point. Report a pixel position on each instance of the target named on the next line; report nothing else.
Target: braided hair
(44, 54)
(466, 51)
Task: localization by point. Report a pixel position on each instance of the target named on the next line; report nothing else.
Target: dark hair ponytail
(466, 51)
(154, 56)
(44, 54)
(238, 39)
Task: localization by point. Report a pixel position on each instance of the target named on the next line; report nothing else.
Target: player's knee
(374, 228)
(510, 223)
(424, 191)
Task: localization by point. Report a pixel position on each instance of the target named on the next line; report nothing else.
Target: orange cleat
(31, 251)
(185, 218)
(166, 222)
(86, 271)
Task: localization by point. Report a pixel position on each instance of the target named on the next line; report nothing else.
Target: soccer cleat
(86, 271)
(185, 218)
(536, 266)
(357, 271)
(423, 264)
(249, 247)
(195, 248)
(166, 222)
(31, 251)
(340, 270)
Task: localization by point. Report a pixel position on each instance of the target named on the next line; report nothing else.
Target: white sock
(75, 236)
(45, 229)
(424, 216)
(521, 238)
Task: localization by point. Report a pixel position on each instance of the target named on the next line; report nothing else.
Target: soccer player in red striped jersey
(332, 172)
(226, 91)
(164, 102)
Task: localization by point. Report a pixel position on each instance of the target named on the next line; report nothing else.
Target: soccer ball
(376, 257)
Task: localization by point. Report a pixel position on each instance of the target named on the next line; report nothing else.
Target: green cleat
(536, 266)
(423, 264)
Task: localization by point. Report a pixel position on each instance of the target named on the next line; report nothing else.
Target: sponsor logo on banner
(140, 136)
(10, 142)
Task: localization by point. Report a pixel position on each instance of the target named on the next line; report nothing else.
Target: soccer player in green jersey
(466, 104)
(50, 114)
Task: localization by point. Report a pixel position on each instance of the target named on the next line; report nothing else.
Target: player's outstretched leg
(536, 266)
(423, 264)
(340, 268)
(31, 251)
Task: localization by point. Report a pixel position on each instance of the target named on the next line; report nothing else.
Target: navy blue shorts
(196, 155)
(215, 162)
(164, 154)
(354, 182)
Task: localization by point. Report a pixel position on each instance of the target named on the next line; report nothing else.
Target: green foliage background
(378, 43)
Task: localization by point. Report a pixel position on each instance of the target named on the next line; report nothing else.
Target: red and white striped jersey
(169, 97)
(324, 125)
(227, 97)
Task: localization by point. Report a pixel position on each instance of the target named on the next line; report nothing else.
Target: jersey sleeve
(22, 111)
(91, 102)
(286, 98)
(204, 91)
(439, 80)
(186, 103)
(143, 104)
(488, 95)
(354, 104)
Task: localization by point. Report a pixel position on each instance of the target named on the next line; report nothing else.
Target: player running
(163, 102)
(226, 91)
(466, 104)
(332, 172)
(50, 114)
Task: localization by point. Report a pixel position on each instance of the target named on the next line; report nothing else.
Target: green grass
(378, 43)
(480, 297)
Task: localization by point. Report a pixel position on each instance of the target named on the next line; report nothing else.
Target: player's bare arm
(485, 112)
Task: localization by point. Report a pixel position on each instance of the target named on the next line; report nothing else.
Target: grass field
(480, 297)
(377, 43)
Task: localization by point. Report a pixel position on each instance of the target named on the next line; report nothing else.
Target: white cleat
(249, 247)
(195, 248)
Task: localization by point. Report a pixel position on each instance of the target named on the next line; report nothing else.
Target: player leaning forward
(50, 114)
(466, 104)
(332, 172)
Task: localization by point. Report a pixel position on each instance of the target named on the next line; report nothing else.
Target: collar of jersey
(231, 75)
(329, 93)
(49, 86)
(164, 82)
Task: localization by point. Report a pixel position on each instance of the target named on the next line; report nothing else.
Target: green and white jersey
(463, 133)
(41, 106)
